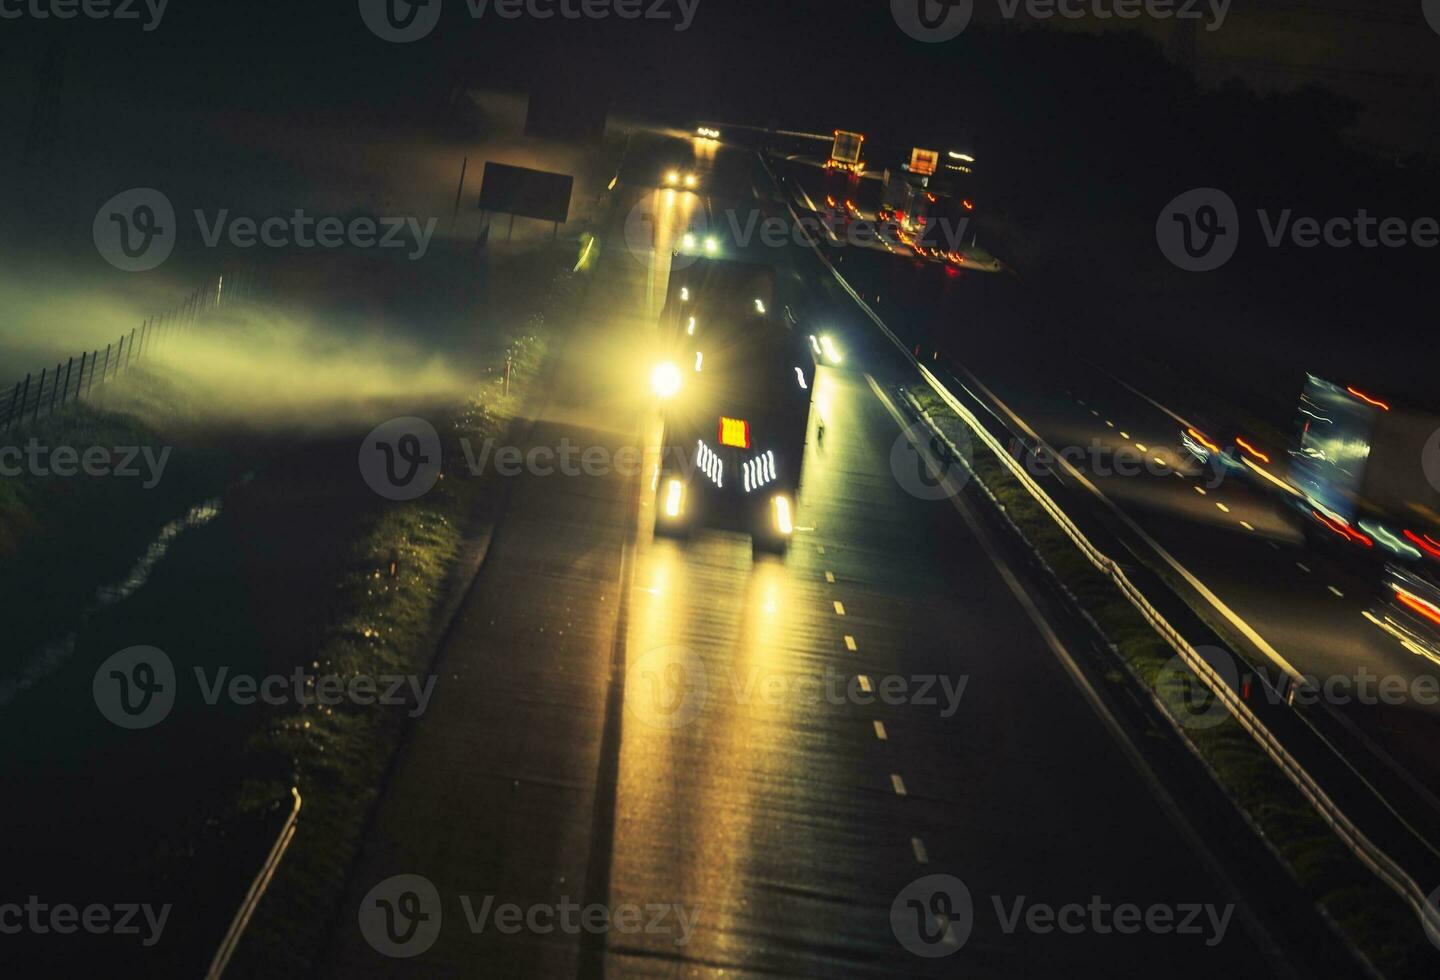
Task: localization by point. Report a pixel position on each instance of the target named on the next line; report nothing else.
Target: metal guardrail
(1367, 851)
(256, 892)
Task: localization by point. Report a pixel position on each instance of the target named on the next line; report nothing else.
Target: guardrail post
(80, 381)
(54, 388)
(65, 394)
(39, 395)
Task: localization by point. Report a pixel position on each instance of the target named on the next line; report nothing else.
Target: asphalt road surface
(740, 764)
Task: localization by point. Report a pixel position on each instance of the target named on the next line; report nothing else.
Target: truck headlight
(665, 380)
(783, 522)
(674, 498)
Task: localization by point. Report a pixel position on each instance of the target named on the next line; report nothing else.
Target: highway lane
(684, 728)
(1237, 538)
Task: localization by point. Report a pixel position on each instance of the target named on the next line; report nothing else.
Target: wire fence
(78, 376)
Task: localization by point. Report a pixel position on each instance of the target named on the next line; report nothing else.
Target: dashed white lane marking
(880, 731)
(1109, 424)
(1303, 567)
(897, 783)
(1272, 544)
(830, 577)
(864, 683)
(1200, 491)
(1094, 413)
(850, 643)
(1159, 461)
(839, 608)
(1338, 593)
(1124, 435)
(921, 855)
(1142, 447)
(1222, 507)
(1247, 525)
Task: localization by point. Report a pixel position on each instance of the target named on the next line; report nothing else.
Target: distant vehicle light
(969, 204)
(1416, 604)
(690, 180)
(1202, 440)
(674, 497)
(1426, 544)
(815, 345)
(800, 377)
(953, 155)
(665, 380)
(711, 245)
(783, 523)
(685, 295)
(1368, 400)
(673, 177)
(687, 241)
(734, 432)
(759, 305)
(699, 359)
(1251, 450)
(832, 353)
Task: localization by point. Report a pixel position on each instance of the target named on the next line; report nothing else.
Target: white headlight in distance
(711, 244)
(674, 495)
(832, 353)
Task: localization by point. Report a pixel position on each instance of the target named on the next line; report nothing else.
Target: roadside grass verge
(406, 566)
(1370, 916)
